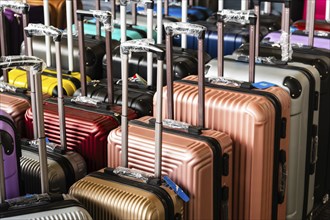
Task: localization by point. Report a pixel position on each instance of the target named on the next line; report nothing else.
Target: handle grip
(142, 45)
(16, 6)
(43, 30)
(24, 62)
(237, 16)
(176, 28)
(105, 17)
(144, 2)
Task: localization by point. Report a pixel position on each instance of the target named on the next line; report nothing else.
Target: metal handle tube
(113, 9)
(123, 23)
(311, 9)
(69, 33)
(257, 31)
(220, 5)
(149, 36)
(61, 110)
(159, 121)
(166, 7)
(244, 5)
(3, 45)
(252, 54)
(110, 85)
(25, 21)
(184, 19)
(134, 14)
(268, 7)
(47, 38)
(201, 80)
(220, 48)
(283, 17)
(124, 117)
(75, 17)
(159, 22)
(98, 23)
(169, 76)
(327, 11)
(81, 40)
(41, 134)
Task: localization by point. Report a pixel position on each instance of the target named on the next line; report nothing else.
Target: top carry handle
(198, 31)
(56, 34)
(22, 8)
(142, 45)
(35, 67)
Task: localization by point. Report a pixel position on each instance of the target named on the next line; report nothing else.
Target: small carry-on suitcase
(320, 59)
(255, 120)
(198, 160)
(130, 194)
(36, 206)
(11, 152)
(88, 121)
(18, 77)
(64, 167)
(302, 81)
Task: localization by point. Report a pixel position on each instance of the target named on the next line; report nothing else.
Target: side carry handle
(142, 45)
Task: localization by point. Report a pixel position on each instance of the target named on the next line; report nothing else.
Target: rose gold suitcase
(256, 121)
(123, 193)
(198, 160)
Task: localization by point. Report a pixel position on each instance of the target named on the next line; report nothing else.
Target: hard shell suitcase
(64, 167)
(11, 152)
(320, 13)
(255, 120)
(210, 187)
(320, 59)
(150, 198)
(88, 121)
(320, 25)
(33, 206)
(293, 77)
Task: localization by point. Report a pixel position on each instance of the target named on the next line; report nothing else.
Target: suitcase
(11, 152)
(88, 121)
(320, 59)
(64, 166)
(245, 114)
(320, 13)
(320, 25)
(13, 23)
(33, 206)
(307, 82)
(212, 150)
(146, 192)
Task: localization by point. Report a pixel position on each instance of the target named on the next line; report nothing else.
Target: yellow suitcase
(71, 82)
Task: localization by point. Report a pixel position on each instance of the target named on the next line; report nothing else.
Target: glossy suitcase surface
(253, 120)
(320, 25)
(10, 146)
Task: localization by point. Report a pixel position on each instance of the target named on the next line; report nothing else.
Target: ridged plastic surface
(250, 122)
(87, 131)
(107, 200)
(188, 162)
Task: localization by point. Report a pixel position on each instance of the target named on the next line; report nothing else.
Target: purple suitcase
(9, 142)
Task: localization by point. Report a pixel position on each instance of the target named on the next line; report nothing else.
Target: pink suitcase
(198, 160)
(256, 121)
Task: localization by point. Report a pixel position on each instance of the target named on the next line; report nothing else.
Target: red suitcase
(198, 160)
(254, 119)
(88, 122)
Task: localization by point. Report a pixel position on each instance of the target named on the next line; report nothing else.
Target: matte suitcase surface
(10, 146)
(255, 135)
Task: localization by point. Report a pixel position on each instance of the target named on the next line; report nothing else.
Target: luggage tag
(176, 189)
(263, 85)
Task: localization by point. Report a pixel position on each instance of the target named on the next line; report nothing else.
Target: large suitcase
(41, 206)
(11, 152)
(320, 59)
(210, 187)
(292, 77)
(88, 121)
(255, 120)
(64, 167)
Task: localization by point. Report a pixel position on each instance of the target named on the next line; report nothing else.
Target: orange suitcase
(256, 121)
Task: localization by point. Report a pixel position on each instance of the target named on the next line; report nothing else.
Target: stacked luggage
(203, 114)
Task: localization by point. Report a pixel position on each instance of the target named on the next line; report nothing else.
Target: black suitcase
(320, 58)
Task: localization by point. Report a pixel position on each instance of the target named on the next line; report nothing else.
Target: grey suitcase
(45, 205)
(303, 83)
(64, 166)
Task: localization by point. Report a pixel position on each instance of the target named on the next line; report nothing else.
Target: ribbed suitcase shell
(16, 107)
(11, 153)
(63, 170)
(64, 210)
(87, 129)
(187, 161)
(71, 82)
(250, 120)
(292, 77)
(106, 199)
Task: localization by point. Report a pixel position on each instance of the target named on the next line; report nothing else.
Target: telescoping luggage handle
(198, 31)
(285, 26)
(56, 34)
(106, 18)
(20, 7)
(142, 45)
(34, 66)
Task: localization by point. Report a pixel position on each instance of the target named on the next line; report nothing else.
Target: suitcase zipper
(163, 196)
(217, 168)
(61, 160)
